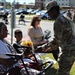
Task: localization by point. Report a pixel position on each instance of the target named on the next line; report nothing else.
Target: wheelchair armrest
(50, 63)
(15, 55)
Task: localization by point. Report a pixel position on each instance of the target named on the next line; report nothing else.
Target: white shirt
(4, 50)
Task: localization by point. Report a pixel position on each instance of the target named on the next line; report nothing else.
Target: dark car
(21, 11)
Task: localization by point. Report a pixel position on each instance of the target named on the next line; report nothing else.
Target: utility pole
(12, 20)
(4, 5)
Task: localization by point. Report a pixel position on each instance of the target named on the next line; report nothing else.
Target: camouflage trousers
(66, 61)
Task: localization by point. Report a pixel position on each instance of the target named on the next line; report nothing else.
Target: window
(62, 3)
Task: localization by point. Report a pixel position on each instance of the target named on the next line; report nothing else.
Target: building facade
(72, 2)
(1, 2)
(38, 4)
(62, 3)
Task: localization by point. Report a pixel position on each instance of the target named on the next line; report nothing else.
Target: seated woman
(37, 36)
(35, 32)
(6, 62)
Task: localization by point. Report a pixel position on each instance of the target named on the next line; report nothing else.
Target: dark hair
(18, 32)
(2, 25)
(55, 8)
(34, 19)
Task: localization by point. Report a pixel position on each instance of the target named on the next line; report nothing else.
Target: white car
(43, 14)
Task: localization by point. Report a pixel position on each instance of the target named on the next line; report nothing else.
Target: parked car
(43, 14)
(45, 17)
(30, 10)
(4, 11)
(34, 12)
(21, 11)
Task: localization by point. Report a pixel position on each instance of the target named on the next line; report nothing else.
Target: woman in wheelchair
(6, 62)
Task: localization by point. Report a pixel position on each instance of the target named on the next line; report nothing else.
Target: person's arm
(58, 34)
(8, 61)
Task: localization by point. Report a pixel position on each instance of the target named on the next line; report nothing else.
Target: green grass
(53, 69)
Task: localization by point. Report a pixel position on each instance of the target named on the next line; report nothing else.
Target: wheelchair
(6, 65)
(25, 69)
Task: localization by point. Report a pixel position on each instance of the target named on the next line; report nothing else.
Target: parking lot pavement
(44, 24)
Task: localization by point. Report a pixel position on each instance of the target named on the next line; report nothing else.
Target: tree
(8, 4)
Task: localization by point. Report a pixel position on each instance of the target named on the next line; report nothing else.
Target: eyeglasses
(38, 20)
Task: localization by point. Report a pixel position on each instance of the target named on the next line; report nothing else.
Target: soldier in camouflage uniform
(64, 34)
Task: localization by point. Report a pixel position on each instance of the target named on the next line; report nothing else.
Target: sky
(22, 1)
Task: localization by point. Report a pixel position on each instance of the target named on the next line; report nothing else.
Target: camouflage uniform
(73, 17)
(65, 38)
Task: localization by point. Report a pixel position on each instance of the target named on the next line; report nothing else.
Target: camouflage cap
(50, 5)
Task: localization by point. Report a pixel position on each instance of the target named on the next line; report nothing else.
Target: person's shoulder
(39, 26)
(31, 28)
(61, 18)
(6, 41)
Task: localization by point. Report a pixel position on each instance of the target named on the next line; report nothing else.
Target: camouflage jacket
(64, 32)
(73, 17)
